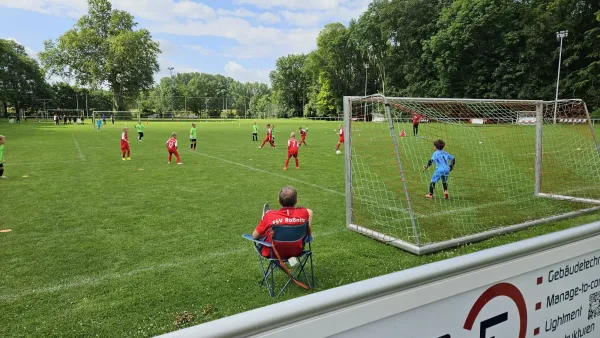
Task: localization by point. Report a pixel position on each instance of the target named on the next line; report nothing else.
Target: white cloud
(201, 50)
(295, 4)
(239, 73)
(239, 12)
(308, 19)
(254, 41)
(167, 47)
(165, 10)
(268, 18)
(71, 8)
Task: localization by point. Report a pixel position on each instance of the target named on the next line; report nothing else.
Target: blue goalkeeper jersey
(441, 158)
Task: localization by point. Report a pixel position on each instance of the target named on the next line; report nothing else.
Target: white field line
(89, 281)
(273, 174)
(38, 163)
(81, 157)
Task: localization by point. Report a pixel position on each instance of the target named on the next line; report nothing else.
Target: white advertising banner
(559, 300)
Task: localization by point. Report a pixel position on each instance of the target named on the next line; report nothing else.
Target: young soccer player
(98, 124)
(341, 133)
(104, 119)
(193, 137)
(442, 168)
(268, 138)
(125, 149)
(140, 130)
(292, 151)
(302, 135)
(254, 132)
(112, 119)
(172, 148)
(416, 118)
(2, 141)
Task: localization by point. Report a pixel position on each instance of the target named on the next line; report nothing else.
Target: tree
(21, 79)
(289, 81)
(103, 49)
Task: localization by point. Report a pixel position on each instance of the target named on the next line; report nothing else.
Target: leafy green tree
(290, 82)
(103, 49)
(21, 79)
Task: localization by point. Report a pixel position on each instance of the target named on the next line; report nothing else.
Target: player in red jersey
(292, 151)
(125, 149)
(416, 118)
(341, 132)
(302, 135)
(172, 148)
(269, 138)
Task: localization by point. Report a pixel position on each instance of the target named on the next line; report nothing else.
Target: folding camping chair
(268, 265)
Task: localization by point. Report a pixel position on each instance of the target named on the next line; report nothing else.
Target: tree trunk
(5, 105)
(118, 100)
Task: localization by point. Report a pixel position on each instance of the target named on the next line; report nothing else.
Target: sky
(240, 39)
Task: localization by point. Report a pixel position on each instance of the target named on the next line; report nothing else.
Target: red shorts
(341, 139)
(172, 150)
(125, 146)
(295, 154)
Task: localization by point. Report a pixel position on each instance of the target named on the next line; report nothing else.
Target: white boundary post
(348, 157)
(539, 130)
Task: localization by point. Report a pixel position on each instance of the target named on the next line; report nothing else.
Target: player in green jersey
(2, 141)
(254, 132)
(193, 137)
(140, 130)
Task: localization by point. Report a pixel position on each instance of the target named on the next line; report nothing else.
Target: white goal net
(517, 164)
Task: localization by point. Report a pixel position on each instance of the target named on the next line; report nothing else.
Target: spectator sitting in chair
(289, 214)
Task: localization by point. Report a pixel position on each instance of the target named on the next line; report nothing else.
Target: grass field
(100, 247)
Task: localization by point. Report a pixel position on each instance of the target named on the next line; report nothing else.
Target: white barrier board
(560, 300)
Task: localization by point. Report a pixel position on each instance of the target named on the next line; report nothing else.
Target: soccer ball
(338, 152)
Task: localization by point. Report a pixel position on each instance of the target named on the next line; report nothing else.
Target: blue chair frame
(268, 265)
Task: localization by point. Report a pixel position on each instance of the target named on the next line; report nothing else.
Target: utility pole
(172, 109)
(559, 36)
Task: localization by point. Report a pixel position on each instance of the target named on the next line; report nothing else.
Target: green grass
(99, 247)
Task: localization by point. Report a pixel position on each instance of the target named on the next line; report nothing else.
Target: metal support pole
(559, 35)
(402, 177)
(172, 98)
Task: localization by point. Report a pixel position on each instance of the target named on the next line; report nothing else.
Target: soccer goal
(119, 116)
(518, 164)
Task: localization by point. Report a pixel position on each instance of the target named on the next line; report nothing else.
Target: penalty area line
(273, 174)
(81, 157)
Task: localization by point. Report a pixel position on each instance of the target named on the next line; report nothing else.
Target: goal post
(509, 174)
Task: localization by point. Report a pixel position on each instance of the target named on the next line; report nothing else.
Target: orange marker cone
(402, 133)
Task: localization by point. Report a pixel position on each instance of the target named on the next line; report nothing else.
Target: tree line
(496, 49)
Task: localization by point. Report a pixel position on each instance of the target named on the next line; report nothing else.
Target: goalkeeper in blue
(444, 163)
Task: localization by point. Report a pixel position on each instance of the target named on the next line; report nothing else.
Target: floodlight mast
(172, 109)
(559, 36)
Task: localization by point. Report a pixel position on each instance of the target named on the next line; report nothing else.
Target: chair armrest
(308, 239)
(251, 239)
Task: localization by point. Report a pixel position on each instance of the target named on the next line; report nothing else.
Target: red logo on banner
(498, 290)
